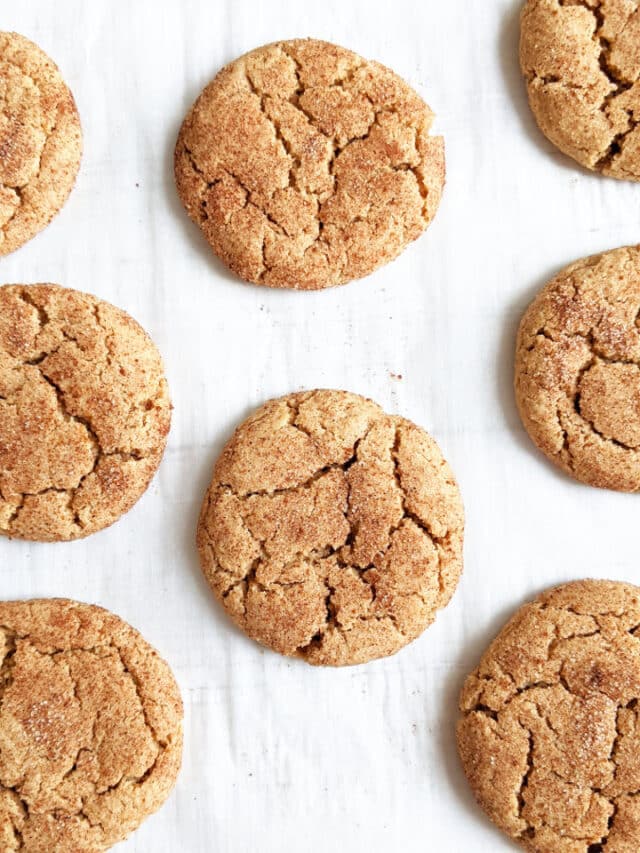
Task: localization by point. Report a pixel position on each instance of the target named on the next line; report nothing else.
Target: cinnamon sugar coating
(578, 370)
(307, 166)
(549, 735)
(331, 531)
(581, 61)
(40, 141)
(90, 728)
(84, 412)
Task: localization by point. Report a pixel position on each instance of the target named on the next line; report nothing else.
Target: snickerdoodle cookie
(331, 531)
(84, 412)
(307, 166)
(578, 370)
(40, 141)
(90, 728)
(550, 733)
(581, 60)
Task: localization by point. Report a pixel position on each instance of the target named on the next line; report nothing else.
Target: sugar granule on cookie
(577, 376)
(331, 531)
(84, 412)
(581, 61)
(90, 727)
(40, 141)
(549, 731)
(307, 166)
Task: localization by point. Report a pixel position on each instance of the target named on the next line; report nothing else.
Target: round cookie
(40, 141)
(90, 728)
(84, 412)
(331, 531)
(549, 735)
(578, 370)
(581, 61)
(307, 166)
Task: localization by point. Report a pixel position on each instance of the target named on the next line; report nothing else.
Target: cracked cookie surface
(581, 61)
(331, 531)
(84, 412)
(307, 166)
(578, 370)
(90, 728)
(40, 141)
(549, 735)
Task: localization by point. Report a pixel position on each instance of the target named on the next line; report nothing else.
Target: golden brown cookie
(581, 60)
(578, 370)
(84, 412)
(90, 728)
(331, 531)
(307, 166)
(40, 141)
(550, 733)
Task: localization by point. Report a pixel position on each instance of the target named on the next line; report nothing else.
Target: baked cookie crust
(577, 376)
(40, 141)
(581, 61)
(307, 166)
(549, 735)
(331, 531)
(84, 412)
(90, 728)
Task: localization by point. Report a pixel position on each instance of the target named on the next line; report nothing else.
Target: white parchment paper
(280, 756)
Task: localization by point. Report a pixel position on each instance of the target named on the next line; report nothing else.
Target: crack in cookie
(331, 531)
(581, 62)
(549, 730)
(306, 166)
(91, 727)
(84, 411)
(577, 375)
(40, 141)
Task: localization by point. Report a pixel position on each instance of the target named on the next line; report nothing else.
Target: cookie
(581, 61)
(307, 166)
(40, 141)
(84, 412)
(549, 732)
(90, 728)
(331, 531)
(578, 370)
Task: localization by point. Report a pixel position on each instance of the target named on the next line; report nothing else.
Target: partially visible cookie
(581, 61)
(84, 412)
(90, 728)
(307, 166)
(577, 375)
(40, 141)
(549, 736)
(331, 531)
